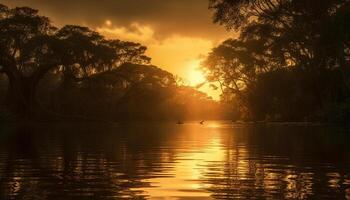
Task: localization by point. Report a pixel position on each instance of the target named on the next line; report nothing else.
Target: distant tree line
(50, 72)
(290, 62)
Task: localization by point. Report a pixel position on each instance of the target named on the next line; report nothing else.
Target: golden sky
(178, 33)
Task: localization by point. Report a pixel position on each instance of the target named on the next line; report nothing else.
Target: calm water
(218, 160)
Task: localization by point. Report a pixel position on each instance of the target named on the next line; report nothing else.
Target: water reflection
(168, 161)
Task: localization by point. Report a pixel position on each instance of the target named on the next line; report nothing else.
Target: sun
(195, 76)
(108, 22)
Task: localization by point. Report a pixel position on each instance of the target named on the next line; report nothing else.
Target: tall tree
(292, 37)
(27, 53)
(86, 53)
(30, 47)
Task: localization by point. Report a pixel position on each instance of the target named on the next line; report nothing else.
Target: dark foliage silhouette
(75, 72)
(291, 60)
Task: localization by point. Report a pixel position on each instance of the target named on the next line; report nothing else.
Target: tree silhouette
(27, 53)
(31, 47)
(74, 72)
(292, 37)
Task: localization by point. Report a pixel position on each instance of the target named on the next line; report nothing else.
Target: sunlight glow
(189, 168)
(195, 76)
(178, 54)
(108, 22)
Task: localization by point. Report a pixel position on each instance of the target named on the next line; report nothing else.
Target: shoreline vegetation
(82, 119)
(160, 122)
(290, 62)
(75, 73)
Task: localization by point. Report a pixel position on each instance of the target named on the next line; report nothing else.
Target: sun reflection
(189, 170)
(190, 161)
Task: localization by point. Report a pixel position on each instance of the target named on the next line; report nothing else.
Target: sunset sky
(178, 33)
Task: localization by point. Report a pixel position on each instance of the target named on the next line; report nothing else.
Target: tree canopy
(30, 47)
(307, 40)
(76, 71)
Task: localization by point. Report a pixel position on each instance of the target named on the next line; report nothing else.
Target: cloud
(134, 32)
(167, 17)
(178, 33)
(175, 53)
(178, 54)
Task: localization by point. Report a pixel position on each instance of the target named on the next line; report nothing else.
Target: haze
(178, 33)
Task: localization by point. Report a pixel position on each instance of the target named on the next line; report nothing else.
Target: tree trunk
(21, 96)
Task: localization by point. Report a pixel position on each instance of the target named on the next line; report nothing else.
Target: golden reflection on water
(214, 161)
(189, 168)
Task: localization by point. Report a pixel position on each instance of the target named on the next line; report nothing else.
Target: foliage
(75, 72)
(31, 47)
(290, 61)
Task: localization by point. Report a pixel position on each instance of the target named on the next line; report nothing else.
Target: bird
(179, 122)
(201, 122)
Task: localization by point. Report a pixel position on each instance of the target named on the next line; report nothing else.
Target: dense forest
(74, 72)
(289, 62)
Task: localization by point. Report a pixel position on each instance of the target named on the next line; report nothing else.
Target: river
(217, 160)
